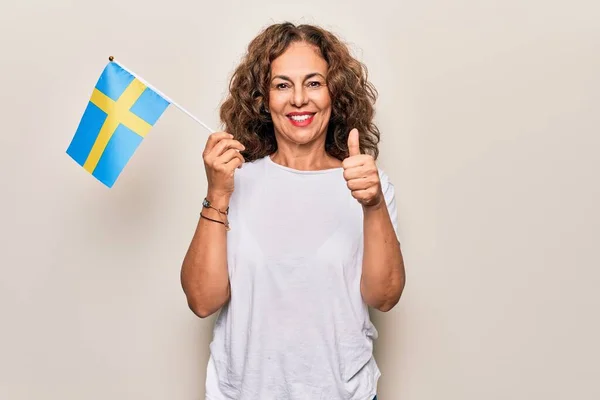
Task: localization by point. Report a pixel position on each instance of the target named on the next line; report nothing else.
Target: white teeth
(300, 117)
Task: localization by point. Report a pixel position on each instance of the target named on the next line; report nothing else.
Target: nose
(300, 96)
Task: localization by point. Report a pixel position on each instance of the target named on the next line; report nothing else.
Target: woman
(297, 236)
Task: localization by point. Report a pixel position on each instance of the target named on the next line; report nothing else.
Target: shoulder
(389, 194)
(247, 180)
(250, 175)
(386, 183)
(251, 168)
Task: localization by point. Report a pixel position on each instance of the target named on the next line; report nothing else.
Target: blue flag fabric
(120, 113)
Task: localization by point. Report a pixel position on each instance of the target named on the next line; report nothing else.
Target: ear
(264, 105)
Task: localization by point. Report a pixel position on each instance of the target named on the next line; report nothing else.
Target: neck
(304, 158)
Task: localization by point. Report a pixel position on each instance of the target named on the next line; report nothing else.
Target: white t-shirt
(296, 326)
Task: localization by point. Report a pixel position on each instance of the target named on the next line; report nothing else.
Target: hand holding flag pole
(121, 111)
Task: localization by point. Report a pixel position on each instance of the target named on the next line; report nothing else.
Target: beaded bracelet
(206, 204)
(214, 220)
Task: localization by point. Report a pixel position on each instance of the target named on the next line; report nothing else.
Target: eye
(281, 86)
(314, 84)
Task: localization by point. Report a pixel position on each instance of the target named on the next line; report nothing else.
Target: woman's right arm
(204, 273)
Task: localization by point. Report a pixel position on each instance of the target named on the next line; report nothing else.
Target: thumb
(353, 143)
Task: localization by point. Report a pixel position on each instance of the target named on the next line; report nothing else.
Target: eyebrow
(286, 78)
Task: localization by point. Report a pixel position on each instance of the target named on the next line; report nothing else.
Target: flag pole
(112, 59)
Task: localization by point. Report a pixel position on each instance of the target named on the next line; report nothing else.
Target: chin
(302, 137)
(301, 134)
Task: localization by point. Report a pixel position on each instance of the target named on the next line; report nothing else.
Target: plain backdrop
(491, 132)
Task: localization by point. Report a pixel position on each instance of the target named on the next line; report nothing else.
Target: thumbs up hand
(361, 174)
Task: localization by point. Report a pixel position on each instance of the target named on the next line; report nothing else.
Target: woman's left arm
(383, 275)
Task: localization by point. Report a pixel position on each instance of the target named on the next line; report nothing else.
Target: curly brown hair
(243, 112)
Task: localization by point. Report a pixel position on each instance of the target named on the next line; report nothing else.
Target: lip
(298, 113)
(306, 122)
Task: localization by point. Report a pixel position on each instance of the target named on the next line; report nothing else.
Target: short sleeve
(389, 194)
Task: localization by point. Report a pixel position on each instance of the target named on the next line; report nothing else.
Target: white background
(491, 133)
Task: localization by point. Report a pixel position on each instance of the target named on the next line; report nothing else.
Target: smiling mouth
(301, 119)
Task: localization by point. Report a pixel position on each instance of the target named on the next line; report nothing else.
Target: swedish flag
(119, 114)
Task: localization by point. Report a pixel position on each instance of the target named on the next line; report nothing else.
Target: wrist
(375, 207)
(218, 199)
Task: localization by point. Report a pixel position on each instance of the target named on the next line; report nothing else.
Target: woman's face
(299, 101)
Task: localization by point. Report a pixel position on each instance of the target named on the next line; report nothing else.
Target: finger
(356, 172)
(359, 184)
(228, 156)
(360, 195)
(353, 143)
(236, 162)
(356, 161)
(214, 138)
(225, 144)
(365, 196)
